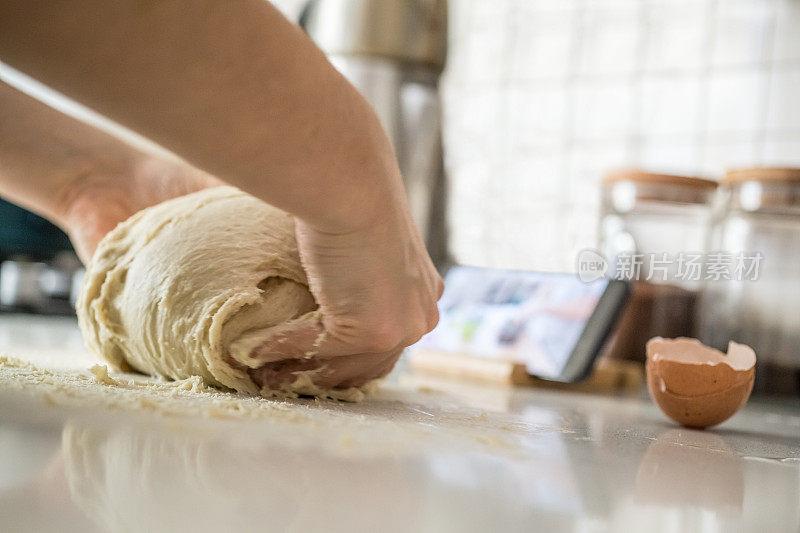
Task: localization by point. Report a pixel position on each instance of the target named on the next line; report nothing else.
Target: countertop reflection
(422, 455)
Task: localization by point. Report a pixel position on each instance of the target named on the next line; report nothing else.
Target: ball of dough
(171, 288)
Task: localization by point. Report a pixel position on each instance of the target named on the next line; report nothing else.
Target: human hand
(377, 291)
(95, 201)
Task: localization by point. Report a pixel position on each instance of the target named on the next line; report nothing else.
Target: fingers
(332, 373)
(276, 356)
(281, 373)
(302, 338)
(355, 370)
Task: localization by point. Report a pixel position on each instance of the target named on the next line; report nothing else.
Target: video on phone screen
(535, 318)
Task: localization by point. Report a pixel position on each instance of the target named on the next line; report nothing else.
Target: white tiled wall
(541, 96)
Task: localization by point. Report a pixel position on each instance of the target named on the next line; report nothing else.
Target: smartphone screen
(555, 324)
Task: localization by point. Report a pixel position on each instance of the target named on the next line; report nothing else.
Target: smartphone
(553, 323)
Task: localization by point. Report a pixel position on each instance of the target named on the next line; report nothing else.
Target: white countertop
(421, 455)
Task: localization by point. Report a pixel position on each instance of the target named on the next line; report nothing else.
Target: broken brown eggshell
(698, 386)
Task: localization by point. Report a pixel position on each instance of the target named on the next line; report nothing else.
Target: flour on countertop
(186, 397)
(389, 423)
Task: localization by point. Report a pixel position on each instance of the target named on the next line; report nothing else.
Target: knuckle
(433, 319)
(439, 285)
(426, 321)
(397, 327)
(381, 337)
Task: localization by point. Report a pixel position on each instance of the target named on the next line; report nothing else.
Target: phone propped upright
(553, 323)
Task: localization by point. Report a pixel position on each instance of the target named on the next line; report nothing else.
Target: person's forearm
(47, 158)
(232, 87)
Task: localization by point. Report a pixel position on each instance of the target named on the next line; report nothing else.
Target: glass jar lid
(626, 187)
(773, 189)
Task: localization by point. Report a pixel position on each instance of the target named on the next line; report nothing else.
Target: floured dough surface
(170, 289)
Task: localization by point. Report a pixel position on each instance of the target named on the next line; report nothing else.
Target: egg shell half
(698, 386)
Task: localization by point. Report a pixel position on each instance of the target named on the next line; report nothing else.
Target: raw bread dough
(170, 289)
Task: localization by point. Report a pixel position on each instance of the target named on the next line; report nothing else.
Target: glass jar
(653, 230)
(758, 304)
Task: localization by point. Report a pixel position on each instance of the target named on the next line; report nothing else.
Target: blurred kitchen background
(508, 115)
(541, 97)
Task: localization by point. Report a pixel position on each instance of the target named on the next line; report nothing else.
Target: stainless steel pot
(394, 51)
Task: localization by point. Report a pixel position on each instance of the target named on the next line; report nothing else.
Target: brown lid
(641, 176)
(784, 174)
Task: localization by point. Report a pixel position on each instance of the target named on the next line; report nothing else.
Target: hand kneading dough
(172, 287)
